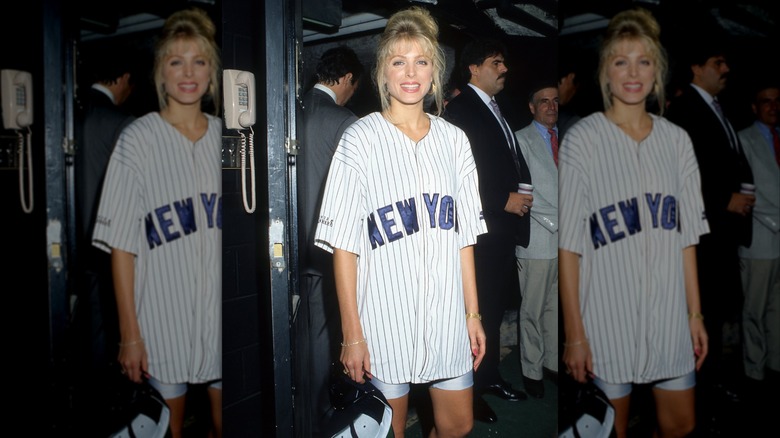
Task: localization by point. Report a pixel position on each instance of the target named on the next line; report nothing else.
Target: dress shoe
(483, 412)
(534, 388)
(504, 390)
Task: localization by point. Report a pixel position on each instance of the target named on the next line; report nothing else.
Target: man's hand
(519, 204)
(741, 203)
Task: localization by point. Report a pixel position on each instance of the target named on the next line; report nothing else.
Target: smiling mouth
(410, 87)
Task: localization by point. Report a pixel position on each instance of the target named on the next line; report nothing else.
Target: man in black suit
(568, 84)
(723, 168)
(500, 167)
(325, 118)
(100, 120)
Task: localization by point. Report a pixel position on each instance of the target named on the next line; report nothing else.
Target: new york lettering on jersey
(162, 228)
(399, 219)
(612, 222)
(441, 214)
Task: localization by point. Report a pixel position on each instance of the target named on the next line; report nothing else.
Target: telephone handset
(239, 91)
(16, 95)
(17, 99)
(239, 99)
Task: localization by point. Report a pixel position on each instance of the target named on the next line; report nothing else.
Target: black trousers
(318, 336)
(496, 272)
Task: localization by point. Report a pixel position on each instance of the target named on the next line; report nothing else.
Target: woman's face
(186, 73)
(630, 73)
(408, 74)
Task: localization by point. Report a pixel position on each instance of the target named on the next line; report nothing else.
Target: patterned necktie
(508, 134)
(507, 131)
(726, 125)
(776, 144)
(554, 144)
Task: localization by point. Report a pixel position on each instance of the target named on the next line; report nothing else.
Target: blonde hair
(637, 25)
(412, 25)
(194, 25)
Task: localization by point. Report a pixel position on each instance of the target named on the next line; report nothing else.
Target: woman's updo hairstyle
(412, 25)
(636, 24)
(188, 24)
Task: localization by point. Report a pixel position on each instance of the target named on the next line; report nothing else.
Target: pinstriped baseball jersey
(162, 202)
(629, 209)
(406, 209)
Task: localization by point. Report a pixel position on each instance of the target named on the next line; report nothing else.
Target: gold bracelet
(349, 344)
(128, 344)
(474, 315)
(696, 315)
(575, 343)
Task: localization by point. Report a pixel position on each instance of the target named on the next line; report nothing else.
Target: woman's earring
(433, 88)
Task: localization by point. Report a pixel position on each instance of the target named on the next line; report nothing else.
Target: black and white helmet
(359, 410)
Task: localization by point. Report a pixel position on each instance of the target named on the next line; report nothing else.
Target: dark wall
(23, 261)
(247, 360)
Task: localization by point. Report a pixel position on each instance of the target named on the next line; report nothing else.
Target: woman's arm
(132, 351)
(695, 318)
(576, 351)
(473, 324)
(354, 351)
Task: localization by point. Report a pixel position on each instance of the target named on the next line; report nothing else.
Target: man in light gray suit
(537, 264)
(318, 326)
(761, 261)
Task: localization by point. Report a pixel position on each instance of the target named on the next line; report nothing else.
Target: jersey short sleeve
(341, 215)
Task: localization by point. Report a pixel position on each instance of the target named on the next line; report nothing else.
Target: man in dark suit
(568, 85)
(500, 167)
(100, 120)
(325, 118)
(723, 168)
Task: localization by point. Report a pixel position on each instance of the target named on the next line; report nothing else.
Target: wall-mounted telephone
(16, 95)
(239, 99)
(17, 98)
(239, 92)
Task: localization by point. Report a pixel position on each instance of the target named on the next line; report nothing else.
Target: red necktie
(554, 144)
(776, 144)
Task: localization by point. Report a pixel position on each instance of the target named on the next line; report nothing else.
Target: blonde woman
(400, 213)
(631, 214)
(159, 218)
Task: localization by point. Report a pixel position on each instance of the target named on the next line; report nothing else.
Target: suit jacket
(722, 168)
(100, 126)
(566, 119)
(498, 175)
(543, 243)
(324, 122)
(766, 214)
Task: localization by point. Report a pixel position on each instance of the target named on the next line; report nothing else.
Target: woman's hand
(355, 358)
(132, 359)
(477, 338)
(700, 340)
(578, 360)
